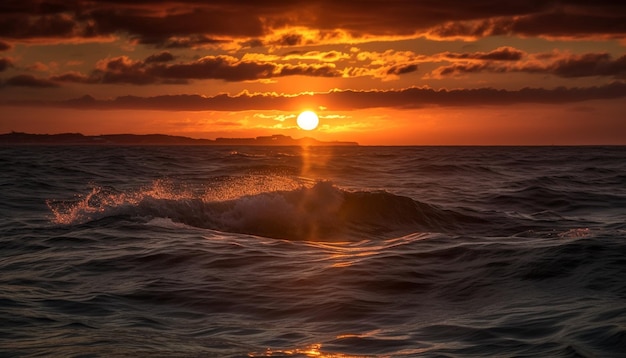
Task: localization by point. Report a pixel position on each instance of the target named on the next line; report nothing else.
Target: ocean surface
(339, 252)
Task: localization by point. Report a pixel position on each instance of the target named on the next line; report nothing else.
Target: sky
(393, 72)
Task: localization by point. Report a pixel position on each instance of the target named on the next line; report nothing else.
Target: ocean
(342, 252)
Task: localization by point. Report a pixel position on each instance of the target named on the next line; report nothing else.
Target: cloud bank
(341, 100)
(190, 23)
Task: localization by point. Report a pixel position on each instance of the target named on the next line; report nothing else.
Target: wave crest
(289, 210)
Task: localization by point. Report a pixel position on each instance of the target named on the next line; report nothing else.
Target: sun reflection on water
(314, 350)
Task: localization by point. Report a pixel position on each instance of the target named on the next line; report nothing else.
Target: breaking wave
(275, 207)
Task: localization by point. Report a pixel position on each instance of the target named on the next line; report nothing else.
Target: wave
(275, 207)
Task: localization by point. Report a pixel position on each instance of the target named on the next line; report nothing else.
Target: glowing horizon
(396, 72)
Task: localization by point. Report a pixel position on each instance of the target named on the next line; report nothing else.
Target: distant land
(17, 138)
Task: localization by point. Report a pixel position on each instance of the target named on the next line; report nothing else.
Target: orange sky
(377, 72)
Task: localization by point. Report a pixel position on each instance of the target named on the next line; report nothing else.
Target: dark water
(319, 252)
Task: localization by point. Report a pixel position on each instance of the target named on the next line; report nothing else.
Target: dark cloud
(402, 69)
(181, 42)
(350, 100)
(154, 69)
(406, 17)
(4, 46)
(553, 19)
(192, 23)
(323, 56)
(229, 69)
(158, 25)
(119, 70)
(252, 43)
(308, 70)
(499, 54)
(74, 77)
(32, 6)
(419, 97)
(458, 68)
(570, 66)
(5, 63)
(26, 27)
(331, 56)
(169, 24)
(29, 81)
(123, 70)
(586, 20)
(593, 64)
(160, 57)
(289, 40)
(215, 67)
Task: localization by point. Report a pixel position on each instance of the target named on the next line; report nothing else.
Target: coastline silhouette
(19, 138)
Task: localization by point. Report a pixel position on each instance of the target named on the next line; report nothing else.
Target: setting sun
(308, 120)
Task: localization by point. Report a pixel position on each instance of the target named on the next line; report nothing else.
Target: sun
(308, 120)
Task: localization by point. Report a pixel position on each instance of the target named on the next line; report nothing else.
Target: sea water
(312, 251)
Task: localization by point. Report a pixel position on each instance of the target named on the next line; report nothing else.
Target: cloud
(231, 69)
(599, 20)
(500, 54)
(191, 41)
(169, 24)
(160, 57)
(389, 64)
(402, 69)
(156, 69)
(458, 69)
(573, 21)
(29, 81)
(290, 40)
(25, 26)
(75, 77)
(4, 46)
(158, 20)
(5, 63)
(420, 97)
(592, 64)
(226, 68)
(191, 23)
(122, 70)
(387, 57)
(386, 65)
(337, 100)
(561, 65)
(321, 56)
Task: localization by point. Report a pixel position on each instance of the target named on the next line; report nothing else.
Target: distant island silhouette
(18, 138)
